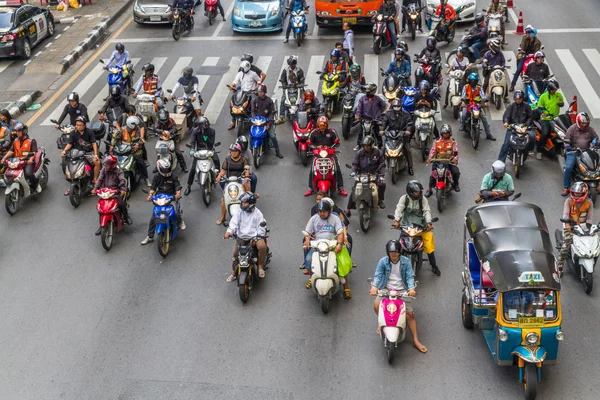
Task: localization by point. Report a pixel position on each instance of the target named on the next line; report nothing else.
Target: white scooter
(325, 280)
(583, 253)
(205, 170)
(497, 88)
(455, 93)
(17, 186)
(232, 193)
(494, 24)
(391, 320)
(165, 147)
(424, 128)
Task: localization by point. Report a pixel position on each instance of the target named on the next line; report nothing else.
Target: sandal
(302, 266)
(68, 192)
(347, 294)
(306, 272)
(220, 222)
(308, 284)
(231, 278)
(261, 273)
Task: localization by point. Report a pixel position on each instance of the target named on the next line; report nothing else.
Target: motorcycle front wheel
(588, 281)
(377, 47)
(413, 31)
(75, 195)
(456, 112)
(324, 301)
(303, 157)
(206, 193)
(364, 216)
(256, 157)
(107, 235)
(176, 31)
(11, 201)
(497, 101)
(475, 134)
(390, 353)
(163, 242)
(441, 198)
(346, 124)
(240, 127)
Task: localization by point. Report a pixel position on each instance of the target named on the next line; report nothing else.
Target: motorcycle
(446, 34)
(232, 193)
(497, 88)
(183, 106)
(165, 148)
(181, 23)
(391, 320)
(424, 71)
(240, 108)
(408, 99)
(4, 148)
(534, 89)
(554, 145)
(330, 91)
(366, 196)
(587, 168)
(382, 37)
(205, 171)
(110, 120)
(302, 127)
(17, 186)
(494, 24)
(210, 7)
(473, 123)
(464, 46)
(165, 215)
(411, 243)
(444, 184)
(259, 138)
(126, 162)
(63, 139)
(292, 100)
(118, 75)
(324, 170)
(395, 159)
(583, 253)
(111, 219)
(348, 108)
(79, 173)
(413, 17)
(424, 128)
(529, 58)
(147, 107)
(518, 146)
(299, 25)
(369, 128)
(391, 88)
(455, 90)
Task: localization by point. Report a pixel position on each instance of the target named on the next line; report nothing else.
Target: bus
(337, 12)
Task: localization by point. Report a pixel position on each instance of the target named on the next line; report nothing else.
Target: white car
(465, 9)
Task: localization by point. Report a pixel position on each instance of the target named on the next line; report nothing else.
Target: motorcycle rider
(164, 122)
(399, 120)
(473, 94)
(369, 106)
(549, 104)
(83, 139)
(530, 44)
(400, 67)
(538, 70)
(247, 80)
(445, 147)
(7, 121)
(478, 35)
(395, 272)
(151, 84)
(518, 112)
(406, 3)
(369, 160)
(128, 134)
(187, 8)
(310, 104)
(189, 82)
(388, 10)
(335, 65)
(293, 5)
(291, 77)
(245, 224)
(250, 58)
(492, 58)
(579, 209)
(433, 56)
(115, 101)
(164, 182)
(497, 185)
(496, 8)
(424, 98)
(202, 136)
(460, 62)
(112, 177)
(263, 106)
(412, 208)
(580, 136)
(25, 148)
(356, 76)
(447, 21)
(323, 136)
(130, 111)
(73, 109)
(344, 54)
(121, 59)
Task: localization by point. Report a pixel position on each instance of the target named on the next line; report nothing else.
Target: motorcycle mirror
(54, 121)
(509, 60)
(99, 112)
(101, 61)
(319, 72)
(189, 146)
(305, 233)
(516, 196)
(542, 48)
(169, 91)
(145, 190)
(263, 224)
(391, 216)
(436, 219)
(565, 220)
(348, 166)
(217, 144)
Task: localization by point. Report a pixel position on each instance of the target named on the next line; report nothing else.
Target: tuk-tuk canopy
(513, 244)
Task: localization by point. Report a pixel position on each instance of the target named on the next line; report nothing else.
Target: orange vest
(127, 136)
(443, 148)
(579, 214)
(22, 148)
(474, 96)
(151, 84)
(337, 68)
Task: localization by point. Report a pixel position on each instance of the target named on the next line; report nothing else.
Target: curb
(18, 107)
(92, 37)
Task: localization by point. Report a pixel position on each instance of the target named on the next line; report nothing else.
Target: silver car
(152, 12)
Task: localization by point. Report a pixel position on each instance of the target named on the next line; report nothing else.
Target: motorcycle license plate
(155, 18)
(349, 20)
(255, 24)
(525, 322)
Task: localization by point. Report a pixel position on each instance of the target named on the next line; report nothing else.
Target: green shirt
(550, 103)
(506, 183)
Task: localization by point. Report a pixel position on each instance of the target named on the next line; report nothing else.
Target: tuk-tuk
(512, 287)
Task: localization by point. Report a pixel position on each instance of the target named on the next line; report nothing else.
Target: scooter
(17, 186)
(391, 88)
(497, 88)
(408, 99)
(348, 108)
(259, 137)
(240, 108)
(473, 123)
(165, 147)
(118, 75)
(301, 129)
(518, 146)
(445, 34)
(587, 168)
(382, 37)
(205, 171)
(413, 17)
(232, 192)
(494, 24)
(411, 243)
(324, 275)
(391, 320)
(366, 196)
(165, 215)
(126, 162)
(63, 139)
(79, 172)
(584, 251)
(210, 6)
(147, 107)
(111, 219)
(534, 89)
(424, 128)
(554, 145)
(292, 100)
(183, 106)
(299, 25)
(455, 94)
(324, 170)
(444, 184)
(395, 159)
(424, 71)
(331, 92)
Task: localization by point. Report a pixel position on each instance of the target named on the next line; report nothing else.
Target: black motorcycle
(587, 169)
(518, 145)
(348, 111)
(392, 85)
(182, 22)
(395, 157)
(240, 108)
(411, 243)
(412, 13)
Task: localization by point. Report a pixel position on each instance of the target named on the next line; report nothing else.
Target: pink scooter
(392, 320)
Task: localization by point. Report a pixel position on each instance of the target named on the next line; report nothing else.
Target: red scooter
(110, 216)
(302, 127)
(324, 166)
(210, 6)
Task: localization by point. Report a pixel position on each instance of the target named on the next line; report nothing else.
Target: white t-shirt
(395, 280)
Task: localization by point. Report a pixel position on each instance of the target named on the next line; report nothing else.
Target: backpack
(406, 200)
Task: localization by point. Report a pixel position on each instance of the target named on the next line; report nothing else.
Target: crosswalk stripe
(210, 61)
(5, 65)
(312, 79)
(277, 90)
(371, 68)
(263, 63)
(175, 73)
(581, 82)
(594, 56)
(218, 100)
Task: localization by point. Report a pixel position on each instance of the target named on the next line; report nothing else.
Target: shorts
(89, 157)
(408, 302)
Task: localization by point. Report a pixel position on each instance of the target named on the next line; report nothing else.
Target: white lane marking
(5, 65)
(227, 17)
(513, 16)
(277, 90)
(570, 30)
(158, 63)
(202, 79)
(57, 36)
(312, 79)
(66, 27)
(580, 80)
(37, 54)
(263, 63)
(371, 68)
(175, 73)
(594, 57)
(218, 100)
(210, 61)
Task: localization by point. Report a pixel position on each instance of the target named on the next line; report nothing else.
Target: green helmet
(355, 70)
(371, 87)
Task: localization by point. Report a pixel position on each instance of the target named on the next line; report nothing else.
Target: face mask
(531, 35)
(370, 94)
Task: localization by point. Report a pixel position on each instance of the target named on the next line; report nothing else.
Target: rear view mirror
(217, 144)
(348, 166)
(436, 219)
(391, 216)
(516, 196)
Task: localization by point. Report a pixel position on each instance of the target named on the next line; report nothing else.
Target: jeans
(152, 223)
(253, 182)
(392, 28)
(569, 166)
(288, 30)
(338, 175)
(520, 64)
(475, 47)
(505, 145)
(482, 117)
(282, 104)
(273, 138)
(192, 173)
(30, 176)
(141, 166)
(547, 128)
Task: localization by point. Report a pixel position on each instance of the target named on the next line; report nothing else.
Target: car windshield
(528, 304)
(6, 18)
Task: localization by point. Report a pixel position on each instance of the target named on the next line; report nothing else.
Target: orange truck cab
(336, 12)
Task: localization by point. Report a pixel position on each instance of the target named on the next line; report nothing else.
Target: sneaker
(308, 192)
(38, 189)
(436, 270)
(98, 232)
(279, 121)
(184, 169)
(411, 172)
(461, 128)
(286, 40)
(356, 148)
(148, 183)
(279, 155)
(231, 126)
(147, 240)
(402, 31)
(512, 89)
(491, 137)
(342, 192)
(128, 220)
(428, 193)
(538, 155)
(381, 204)
(456, 187)
(182, 225)
(187, 190)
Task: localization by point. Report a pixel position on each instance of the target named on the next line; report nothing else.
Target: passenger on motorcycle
(164, 123)
(290, 78)
(128, 134)
(412, 208)
(151, 84)
(579, 209)
(25, 148)
(336, 211)
(388, 9)
(530, 44)
(164, 182)
(335, 65)
(112, 177)
(460, 62)
(325, 136)
(479, 35)
(518, 112)
(187, 6)
(263, 106)
(406, 3)
(400, 67)
(497, 185)
(538, 70)
(579, 136)
(369, 160)
(369, 106)
(247, 80)
(293, 5)
(446, 148)
(310, 104)
(202, 136)
(473, 94)
(7, 121)
(424, 98)
(395, 272)
(493, 58)
(549, 104)
(73, 109)
(83, 139)
(189, 82)
(116, 101)
(399, 120)
(245, 224)
(356, 76)
(121, 59)
(496, 8)
(433, 55)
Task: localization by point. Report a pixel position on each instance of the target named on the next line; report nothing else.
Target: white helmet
(498, 167)
(164, 167)
(329, 200)
(132, 122)
(245, 66)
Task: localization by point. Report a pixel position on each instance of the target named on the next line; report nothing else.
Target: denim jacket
(384, 268)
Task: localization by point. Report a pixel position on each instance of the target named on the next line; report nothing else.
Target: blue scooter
(534, 89)
(259, 138)
(119, 76)
(165, 216)
(408, 99)
(299, 24)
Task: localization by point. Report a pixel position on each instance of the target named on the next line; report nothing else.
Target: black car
(22, 26)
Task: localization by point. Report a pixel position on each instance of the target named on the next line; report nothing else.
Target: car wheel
(50, 28)
(26, 51)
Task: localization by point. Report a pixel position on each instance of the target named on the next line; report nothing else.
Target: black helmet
(324, 206)
(392, 246)
(396, 105)
(248, 57)
(250, 198)
(414, 190)
(368, 141)
(187, 72)
(479, 18)
(292, 60)
(73, 96)
(552, 85)
(431, 42)
(163, 116)
(148, 68)
(202, 122)
(519, 94)
(120, 47)
(243, 142)
(446, 129)
(115, 92)
(81, 118)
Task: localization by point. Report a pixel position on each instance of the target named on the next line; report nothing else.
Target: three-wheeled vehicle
(512, 288)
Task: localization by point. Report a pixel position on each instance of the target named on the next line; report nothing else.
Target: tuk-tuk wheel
(530, 382)
(466, 313)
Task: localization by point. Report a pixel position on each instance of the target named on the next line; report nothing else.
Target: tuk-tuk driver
(521, 300)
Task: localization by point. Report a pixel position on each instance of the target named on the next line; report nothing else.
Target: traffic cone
(509, 4)
(520, 30)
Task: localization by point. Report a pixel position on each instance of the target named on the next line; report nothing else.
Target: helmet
(248, 57)
(582, 120)
(132, 122)
(529, 28)
(19, 127)
(355, 69)
(164, 166)
(498, 167)
(250, 198)
(292, 60)
(324, 206)
(202, 122)
(261, 88)
(431, 42)
(73, 96)
(371, 88)
(479, 18)
(392, 246)
(115, 91)
(245, 66)
(334, 53)
(109, 161)
(399, 50)
(579, 191)
(81, 118)
(414, 190)
(330, 201)
(163, 116)
(120, 47)
(446, 129)
(368, 141)
(473, 76)
(187, 72)
(424, 84)
(460, 51)
(242, 141)
(539, 54)
(235, 147)
(495, 46)
(519, 94)
(396, 105)
(531, 31)
(552, 85)
(148, 68)
(323, 120)
(309, 94)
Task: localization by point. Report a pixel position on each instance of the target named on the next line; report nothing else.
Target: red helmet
(582, 120)
(109, 161)
(579, 191)
(309, 94)
(323, 120)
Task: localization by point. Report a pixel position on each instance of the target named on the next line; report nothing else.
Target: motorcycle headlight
(161, 202)
(364, 179)
(275, 11)
(502, 335)
(532, 338)
(392, 153)
(236, 11)
(476, 113)
(323, 153)
(323, 247)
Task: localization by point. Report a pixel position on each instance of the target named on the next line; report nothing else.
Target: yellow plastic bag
(60, 7)
(74, 3)
(344, 262)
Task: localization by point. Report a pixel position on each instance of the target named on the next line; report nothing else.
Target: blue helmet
(424, 85)
(473, 76)
(335, 53)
